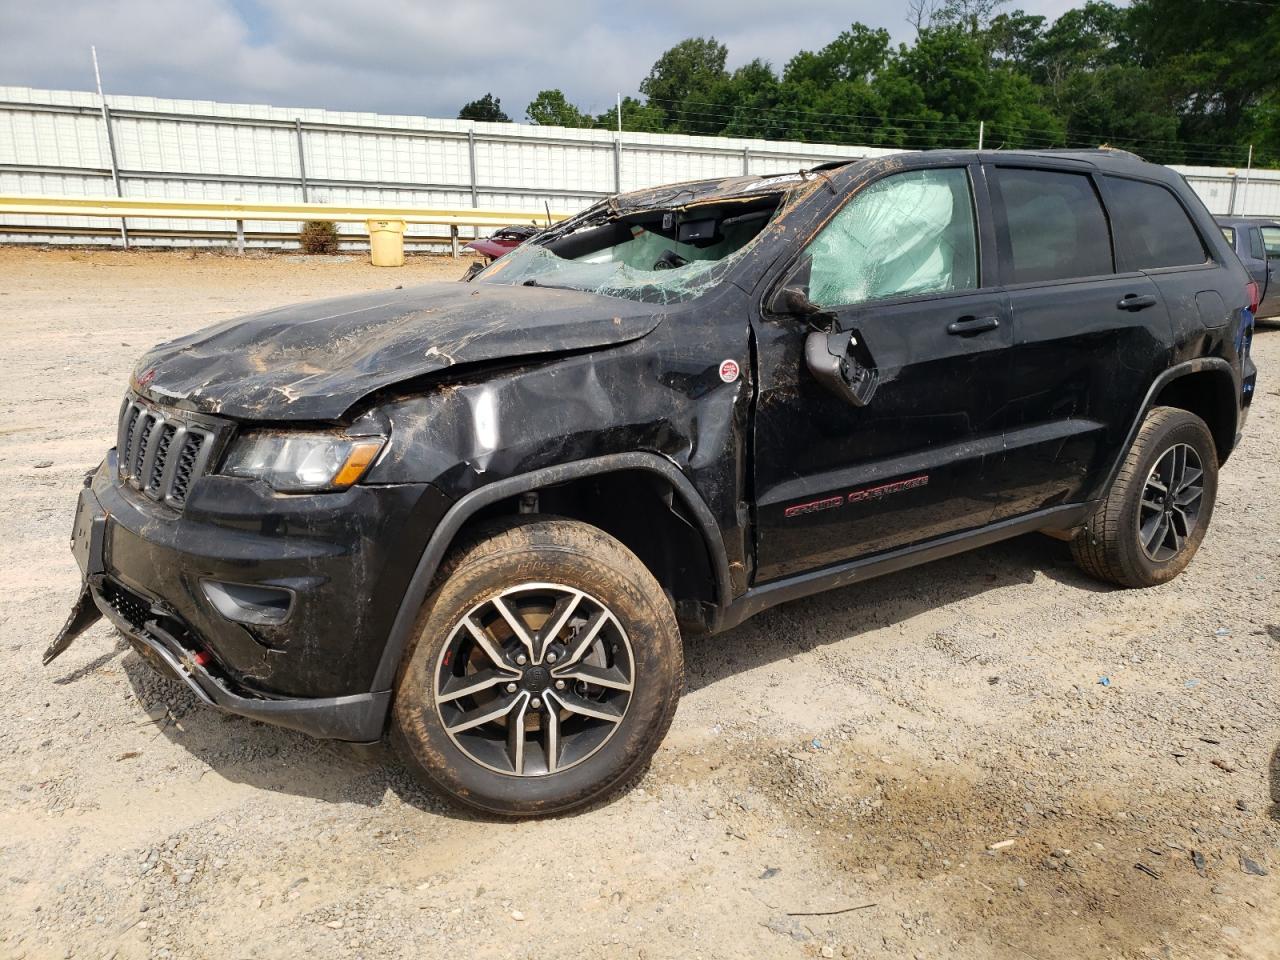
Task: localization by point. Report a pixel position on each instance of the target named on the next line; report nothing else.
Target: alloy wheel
(1171, 499)
(535, 679)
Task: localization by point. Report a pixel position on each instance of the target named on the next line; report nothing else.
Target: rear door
(898, 267)
(1271, 247)
(1088, 336)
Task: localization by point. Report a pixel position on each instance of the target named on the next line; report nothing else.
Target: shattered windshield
(652, 255)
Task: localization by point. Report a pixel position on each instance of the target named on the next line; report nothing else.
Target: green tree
(550, 108)
(636, 116)
(962, 86)
(683, 82)
(487, 107)
(1218, 63)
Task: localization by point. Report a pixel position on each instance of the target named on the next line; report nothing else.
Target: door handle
(968, 326)
(1135, 301)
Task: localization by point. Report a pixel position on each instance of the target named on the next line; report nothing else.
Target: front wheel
(545, 671)
(1153, 519)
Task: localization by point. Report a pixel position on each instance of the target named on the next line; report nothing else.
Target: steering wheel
(669, 260)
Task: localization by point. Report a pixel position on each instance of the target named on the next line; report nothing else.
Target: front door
(898, 268)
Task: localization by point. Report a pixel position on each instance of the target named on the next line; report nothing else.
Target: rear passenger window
(1057, 229)
(1155, 229)
(1256, 248)
(1271, 240)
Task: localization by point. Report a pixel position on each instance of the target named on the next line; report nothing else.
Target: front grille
(161, 454)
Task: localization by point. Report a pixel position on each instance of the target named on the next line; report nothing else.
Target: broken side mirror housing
(842, 364)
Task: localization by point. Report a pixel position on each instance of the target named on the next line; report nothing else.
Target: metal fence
(65, 143)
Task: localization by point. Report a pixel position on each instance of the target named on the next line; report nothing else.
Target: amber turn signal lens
(358, 460)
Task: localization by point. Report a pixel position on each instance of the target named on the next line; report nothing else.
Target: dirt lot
(837, 776)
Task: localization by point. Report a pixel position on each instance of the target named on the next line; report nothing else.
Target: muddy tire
(544, 671)
(1151, 522)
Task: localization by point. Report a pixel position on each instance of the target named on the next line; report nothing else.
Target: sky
(405, 56)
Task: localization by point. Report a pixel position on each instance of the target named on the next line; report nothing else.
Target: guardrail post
(453, 240)
(746, 161)
(240, 237)
(302, 160)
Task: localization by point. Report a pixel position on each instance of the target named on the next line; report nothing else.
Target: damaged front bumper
(311, 670)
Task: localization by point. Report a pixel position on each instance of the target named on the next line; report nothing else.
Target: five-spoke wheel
(534, 679)
(545, 670)
(1149, 524)
(1171, 500)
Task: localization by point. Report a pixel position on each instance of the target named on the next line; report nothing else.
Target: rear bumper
(342, 560)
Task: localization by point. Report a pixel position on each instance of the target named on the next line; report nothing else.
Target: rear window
(1256, 248)
(1057, 230)
(1154, 228)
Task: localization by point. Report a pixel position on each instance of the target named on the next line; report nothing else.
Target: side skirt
(761, 598)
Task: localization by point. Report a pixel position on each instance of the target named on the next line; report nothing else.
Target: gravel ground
(924, 766)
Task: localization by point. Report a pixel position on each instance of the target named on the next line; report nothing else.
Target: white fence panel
(54, 142)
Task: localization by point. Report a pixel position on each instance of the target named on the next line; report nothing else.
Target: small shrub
(319, 236)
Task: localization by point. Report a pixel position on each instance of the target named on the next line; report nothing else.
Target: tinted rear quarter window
(1152, 226)
(1057, 230)
(1230, 234)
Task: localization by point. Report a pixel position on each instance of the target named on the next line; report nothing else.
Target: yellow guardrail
(381, 221)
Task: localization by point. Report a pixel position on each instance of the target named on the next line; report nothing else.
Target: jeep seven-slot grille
(159, 454)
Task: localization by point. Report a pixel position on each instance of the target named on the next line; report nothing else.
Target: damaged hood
(313, 361)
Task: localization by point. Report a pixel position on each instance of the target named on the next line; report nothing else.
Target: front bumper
(345, 560)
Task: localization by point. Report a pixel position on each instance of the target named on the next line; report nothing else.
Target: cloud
(400, 56)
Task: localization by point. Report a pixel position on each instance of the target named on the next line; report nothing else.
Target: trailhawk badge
(729, 371)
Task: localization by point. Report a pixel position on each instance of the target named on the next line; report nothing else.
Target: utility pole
(619, 114)
(1248, 169)
(981, 130)
(111, 141)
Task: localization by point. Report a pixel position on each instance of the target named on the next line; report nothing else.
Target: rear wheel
(1154, 517)
(546, 670)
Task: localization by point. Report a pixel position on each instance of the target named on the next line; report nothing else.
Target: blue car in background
(1257, 242)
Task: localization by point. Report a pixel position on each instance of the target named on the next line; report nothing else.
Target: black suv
(482, 514)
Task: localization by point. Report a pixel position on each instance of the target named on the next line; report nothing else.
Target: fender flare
(1176, 372)
(466, 507)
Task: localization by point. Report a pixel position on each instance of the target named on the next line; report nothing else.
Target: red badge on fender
(729, 371)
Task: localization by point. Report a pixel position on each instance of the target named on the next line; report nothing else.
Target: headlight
(294, 462)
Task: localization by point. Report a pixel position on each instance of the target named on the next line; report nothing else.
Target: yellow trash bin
(386, 243)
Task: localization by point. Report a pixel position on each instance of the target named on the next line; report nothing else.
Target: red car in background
(502, 241)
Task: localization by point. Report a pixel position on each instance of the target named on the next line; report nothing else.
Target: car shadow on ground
(259, 755)
(846, 612)
(269, 758)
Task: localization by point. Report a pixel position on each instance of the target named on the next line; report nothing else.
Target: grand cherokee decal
(857, 496)
(898, 486)
(800, 509)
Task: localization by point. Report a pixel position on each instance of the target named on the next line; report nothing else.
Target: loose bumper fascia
(358, 717)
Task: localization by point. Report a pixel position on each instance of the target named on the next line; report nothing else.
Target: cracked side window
(908, 234)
